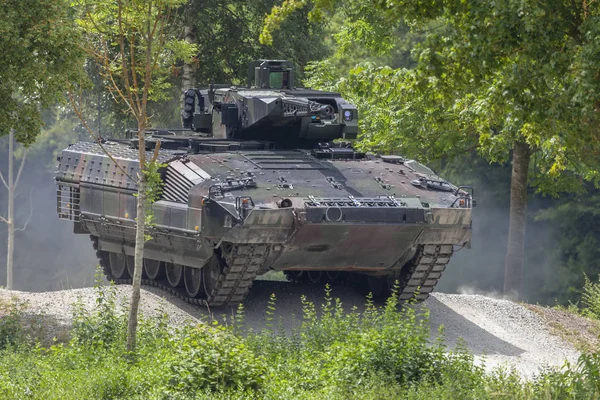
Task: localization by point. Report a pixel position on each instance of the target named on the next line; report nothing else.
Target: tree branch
(3, 181)
(151, 35)
(2, 219)
(20, 169)
(149, 67)
(126, 82)
(89, 15)
(96, 139)
(134, 69)
(161, 40)
(156, 151)
(30, 213)
(115, 87)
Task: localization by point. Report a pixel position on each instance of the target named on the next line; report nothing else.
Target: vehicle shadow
(287, 313)
(458, 329)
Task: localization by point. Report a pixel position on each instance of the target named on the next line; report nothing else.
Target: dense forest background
(562, 233)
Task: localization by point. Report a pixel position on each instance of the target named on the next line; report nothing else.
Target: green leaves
(133, 48)
(212, 358)
(38, 55)
(487, 74)
(397, 113)
(377, 353)
(278, 14)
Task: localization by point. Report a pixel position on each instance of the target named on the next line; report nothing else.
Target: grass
(273, 276)
(580, 331)
(576, 323)
(380, 353)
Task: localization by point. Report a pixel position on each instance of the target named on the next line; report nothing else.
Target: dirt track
(498, 331)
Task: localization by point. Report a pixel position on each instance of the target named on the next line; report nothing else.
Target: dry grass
(583, 333)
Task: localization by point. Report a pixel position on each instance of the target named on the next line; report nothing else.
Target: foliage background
(561, 240)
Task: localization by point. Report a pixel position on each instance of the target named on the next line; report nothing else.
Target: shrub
(381, 352)
(210, 357)
(12, 330)
(104, 325)
(390, 342)
(591, 298)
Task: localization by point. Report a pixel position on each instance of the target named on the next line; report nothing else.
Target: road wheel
(193, 281)
(130, 265)
(295, 276)
(332, 276)
(174, 274)
(118, 266)
(314, 276)
(210, 275)
(154, 269)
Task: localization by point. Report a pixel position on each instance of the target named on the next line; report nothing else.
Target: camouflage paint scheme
(360, 239)
(321, 207)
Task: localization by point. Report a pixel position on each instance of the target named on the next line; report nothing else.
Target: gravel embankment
(499, 332)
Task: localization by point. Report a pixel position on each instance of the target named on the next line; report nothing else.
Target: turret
(270, 108)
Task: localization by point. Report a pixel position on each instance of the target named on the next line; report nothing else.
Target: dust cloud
(48, 255)
(480, 268)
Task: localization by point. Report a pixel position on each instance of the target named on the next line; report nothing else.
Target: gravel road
(498, 332)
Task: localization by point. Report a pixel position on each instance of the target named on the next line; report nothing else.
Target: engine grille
(283, 160)
(181, 176)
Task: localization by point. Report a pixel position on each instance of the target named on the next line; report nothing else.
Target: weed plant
(11, 322)
(384, 352)
(591, 299)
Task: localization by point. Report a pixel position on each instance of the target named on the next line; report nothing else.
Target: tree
(37, 57)
(227, 34)
(514, 78)
(11, 187)
(131, 44)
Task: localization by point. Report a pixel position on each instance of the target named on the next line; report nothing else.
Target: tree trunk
(515, 253)
(188, 77)
(10, 217)
(140, 240)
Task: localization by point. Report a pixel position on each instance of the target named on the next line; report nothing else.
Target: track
(241, 263)
(239, 267)
(425, 271)
(416, 280)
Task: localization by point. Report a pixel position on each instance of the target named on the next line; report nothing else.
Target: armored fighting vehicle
(266, 179)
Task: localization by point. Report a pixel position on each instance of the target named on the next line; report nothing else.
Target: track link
(241, 264)
(424, 272)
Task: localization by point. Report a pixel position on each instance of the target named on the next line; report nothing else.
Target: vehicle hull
(236, 215)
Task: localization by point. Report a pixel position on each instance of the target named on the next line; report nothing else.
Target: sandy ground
(497, 332)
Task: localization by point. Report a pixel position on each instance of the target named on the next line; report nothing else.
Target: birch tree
(135, 51)
(10, 183)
